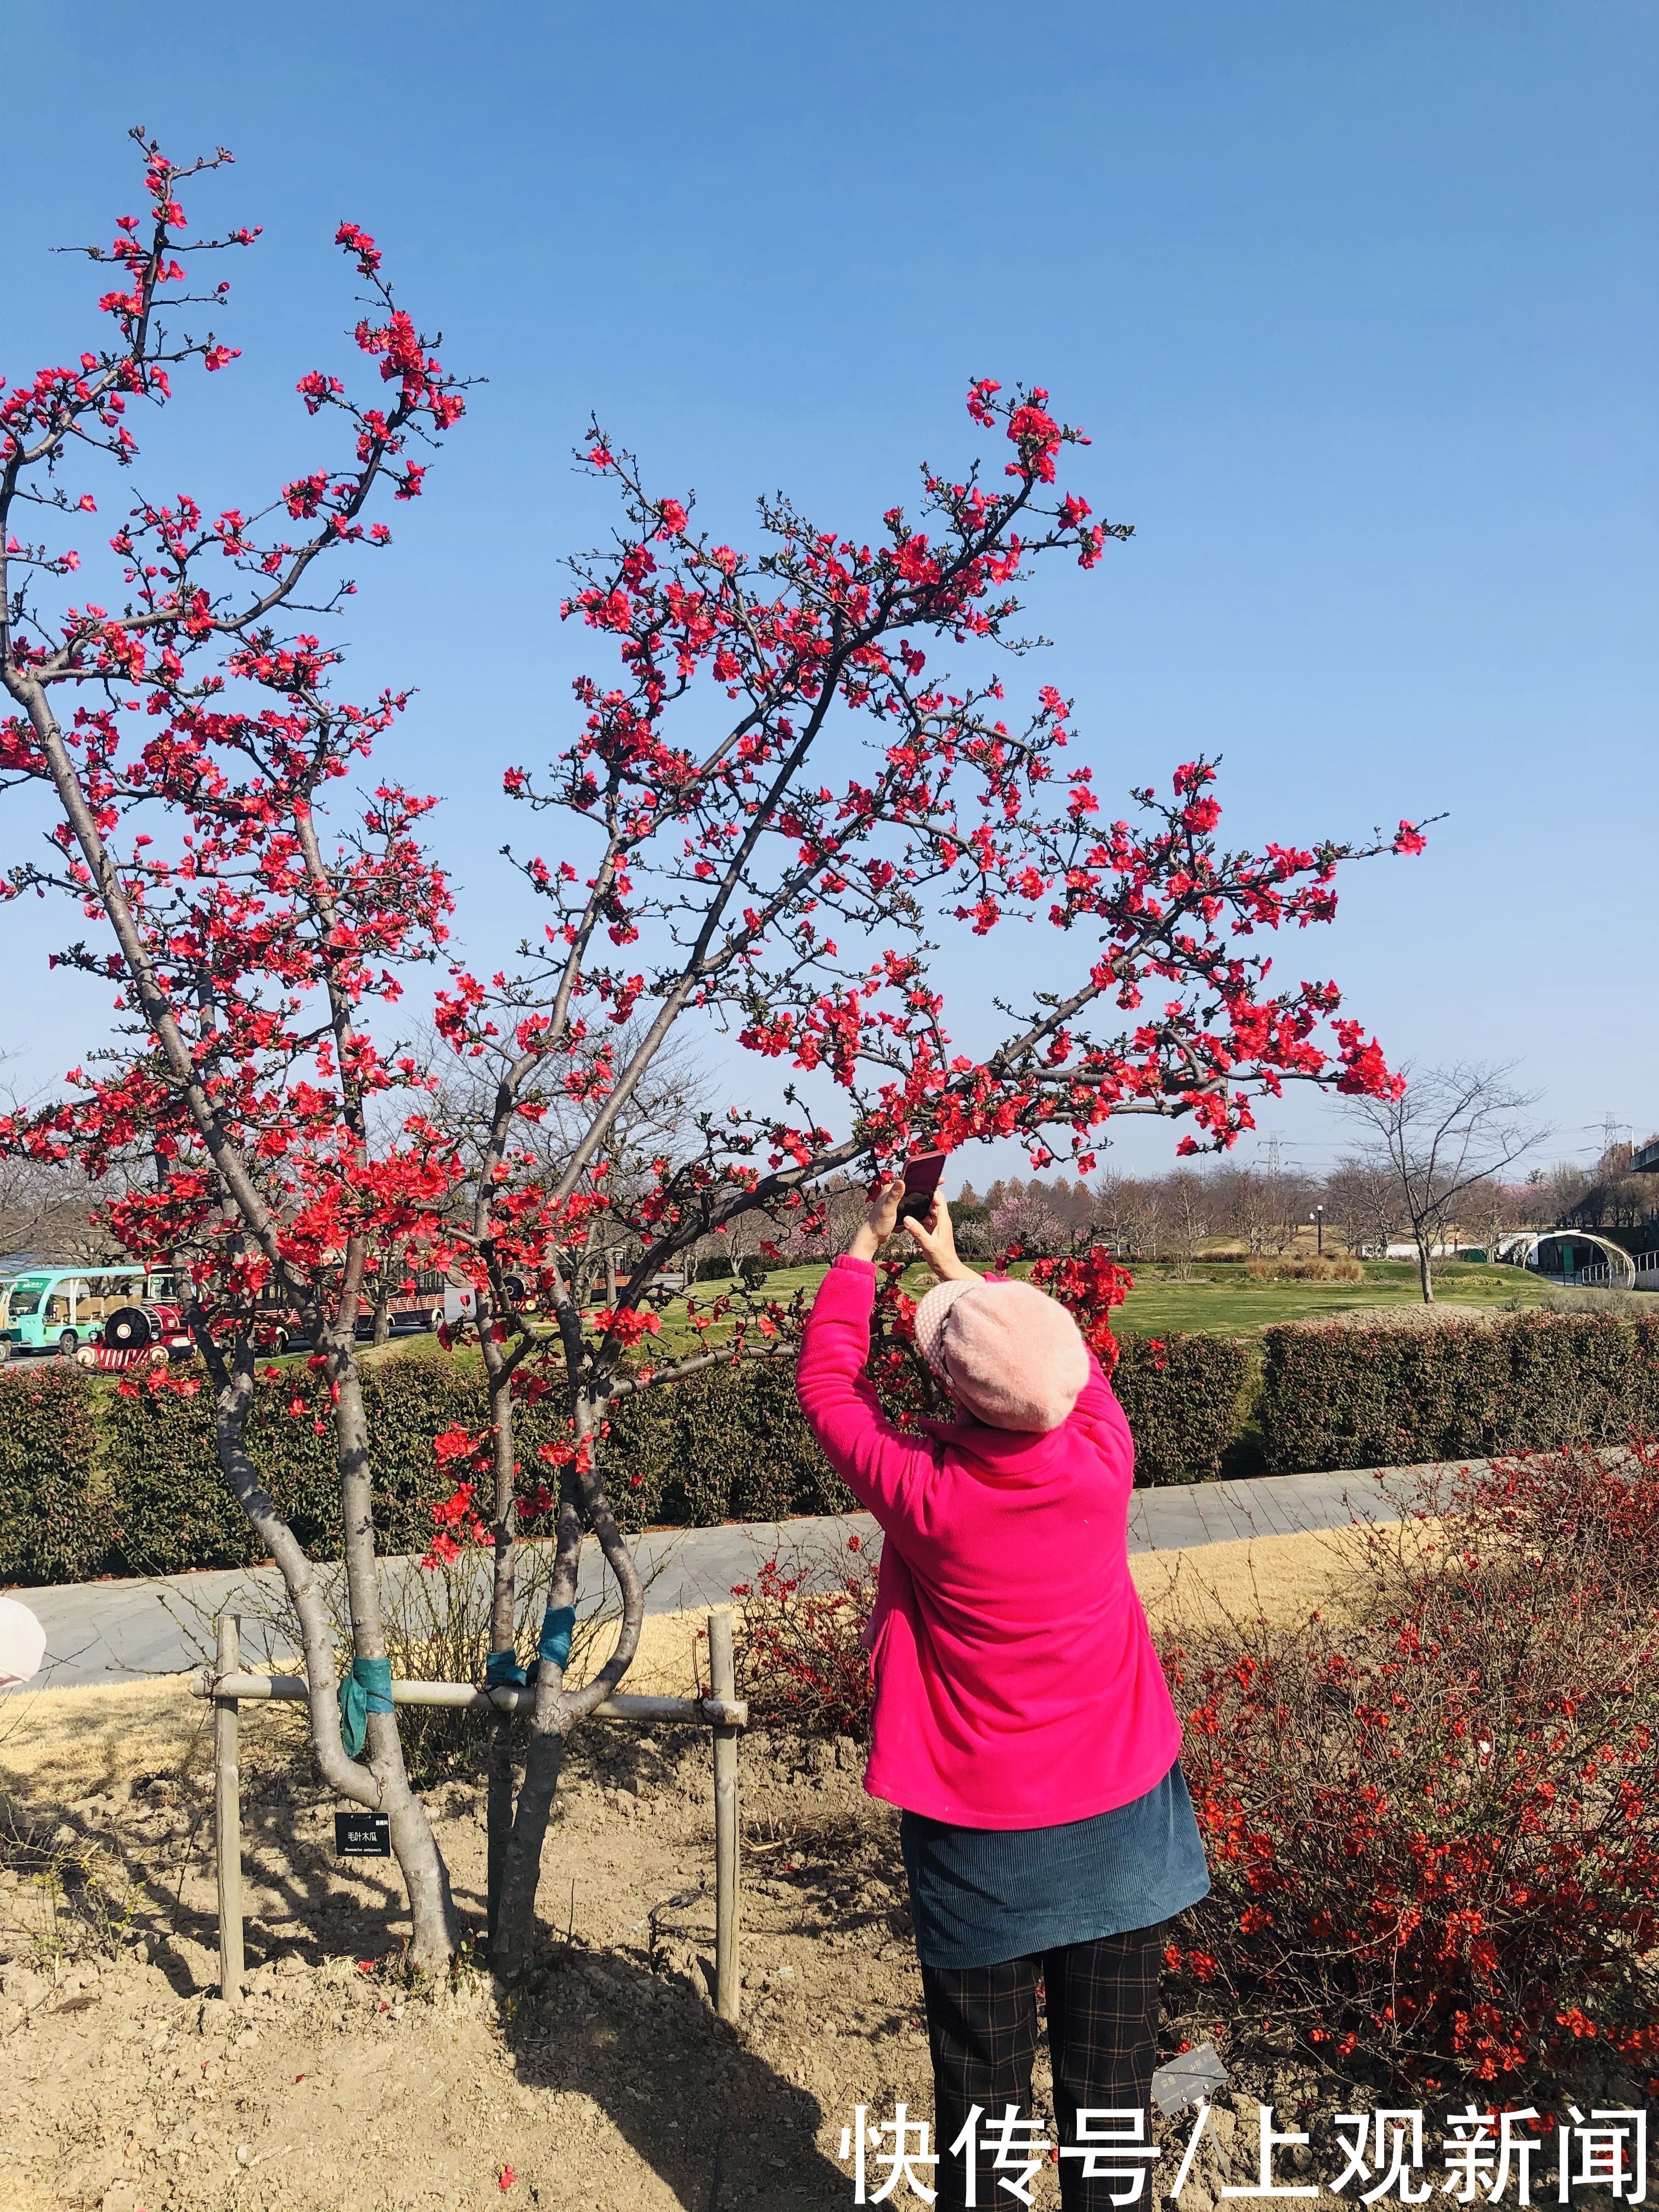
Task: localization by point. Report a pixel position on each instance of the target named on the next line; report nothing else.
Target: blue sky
(1358, 301)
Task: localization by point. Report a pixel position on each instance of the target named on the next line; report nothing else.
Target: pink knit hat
(1008, 1354)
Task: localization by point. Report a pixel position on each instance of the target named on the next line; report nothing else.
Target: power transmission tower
(1611, 1129)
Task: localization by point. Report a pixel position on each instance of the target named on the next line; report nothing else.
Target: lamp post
(1317, 1217)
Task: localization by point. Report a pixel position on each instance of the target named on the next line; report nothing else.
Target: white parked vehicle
(454, 1305)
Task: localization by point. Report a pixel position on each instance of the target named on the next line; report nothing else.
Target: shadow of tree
(698, 2102)
(718, 2124)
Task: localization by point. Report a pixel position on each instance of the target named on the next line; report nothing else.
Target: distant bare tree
(1072, 1204)
(47, 1212)
(1149, 1210)
(846, 1203)
(1114, 1213)
(1612, 1196)
(1492, 1207)
(1290, 1196)
(1188, 1198)
(1566, 1187)
(659, 1117)
(1241, 1203)
(1024, 1217)
(1450, 1129)
(1361, 1202)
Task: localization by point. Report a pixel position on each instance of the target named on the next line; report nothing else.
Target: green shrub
(54, 1502)
(1340, 1397)
(173, 1510)
(1180, 1395)
(729, 1444)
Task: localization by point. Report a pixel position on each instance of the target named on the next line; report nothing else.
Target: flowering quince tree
(190, 743)
(734, 858)
(766, 875)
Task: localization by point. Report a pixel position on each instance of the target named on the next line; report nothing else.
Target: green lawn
(1228, 1304)
(1221, 1300)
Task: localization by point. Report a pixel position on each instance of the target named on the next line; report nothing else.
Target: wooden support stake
(723, 1683)
(703, 1712)
(227, 1814)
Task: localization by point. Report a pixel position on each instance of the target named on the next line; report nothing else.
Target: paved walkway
(123, 1632)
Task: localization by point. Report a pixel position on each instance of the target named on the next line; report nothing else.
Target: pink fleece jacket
(1017, 1686)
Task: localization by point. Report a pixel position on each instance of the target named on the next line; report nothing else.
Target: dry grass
(1316, 1268)
(1277, 1578)
(57, 1746)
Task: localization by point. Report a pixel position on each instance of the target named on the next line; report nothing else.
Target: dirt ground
(127, 2084)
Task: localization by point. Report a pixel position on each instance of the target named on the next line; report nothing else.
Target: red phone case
(922, 1176)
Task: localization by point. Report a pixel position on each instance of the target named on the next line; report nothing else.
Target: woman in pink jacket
(1022, 1720)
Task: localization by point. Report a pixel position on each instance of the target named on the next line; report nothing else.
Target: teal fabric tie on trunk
(557, 1627)
(502, 1668)
(367, 1689)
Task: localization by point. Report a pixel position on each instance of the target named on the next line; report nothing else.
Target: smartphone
(922, 1176)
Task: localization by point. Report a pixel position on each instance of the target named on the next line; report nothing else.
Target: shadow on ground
(715, 2122)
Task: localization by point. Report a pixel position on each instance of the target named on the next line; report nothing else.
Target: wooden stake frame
(724, 1714)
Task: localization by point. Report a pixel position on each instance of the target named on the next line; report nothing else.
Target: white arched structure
(1522, 1251)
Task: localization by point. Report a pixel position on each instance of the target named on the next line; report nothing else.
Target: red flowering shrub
(1088, 1284)
(185, 733)
(1433, 1829)
(800, 1655)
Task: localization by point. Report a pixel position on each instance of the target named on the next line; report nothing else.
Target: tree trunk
(518, 1848)
(582, 1502)
(1424, 1273)
(383, 1319)
(503, 1624)
(521, 1859)
(431, 1911)
(381, 1784)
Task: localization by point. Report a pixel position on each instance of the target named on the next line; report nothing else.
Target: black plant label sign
(362, 1836)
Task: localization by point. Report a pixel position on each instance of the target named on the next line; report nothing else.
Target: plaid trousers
(1102, 2003)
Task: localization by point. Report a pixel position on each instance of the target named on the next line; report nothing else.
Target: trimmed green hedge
(1181, 1396)
(95, 1482)
(54, 1506)
(172, 1510)
(1336, 1397)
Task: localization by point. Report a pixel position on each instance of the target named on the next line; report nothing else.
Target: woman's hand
(878, 1224)
(937, 1237)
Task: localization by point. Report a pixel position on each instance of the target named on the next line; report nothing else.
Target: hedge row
(96, 1482)
(54, 1525)
(93, 1482)
(1336, 1397)
(1182, 1397)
